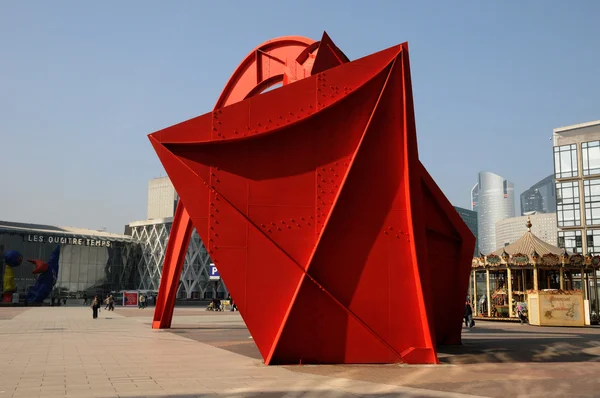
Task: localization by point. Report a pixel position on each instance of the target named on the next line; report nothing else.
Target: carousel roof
(528, 244)
(531, 250)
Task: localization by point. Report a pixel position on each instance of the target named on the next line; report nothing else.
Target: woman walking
(95, 307)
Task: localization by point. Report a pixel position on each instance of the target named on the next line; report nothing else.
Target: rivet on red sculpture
(334, 241)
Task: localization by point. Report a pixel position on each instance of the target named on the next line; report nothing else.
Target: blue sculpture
(48, 275)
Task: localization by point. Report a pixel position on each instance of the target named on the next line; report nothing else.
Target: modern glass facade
(88, 263)
(577, 174)
(496, 201)
(568, 209)
(153, 236)
(590, 153)
(540, 198)
(591, 199)
(470, 218)
(565, 161)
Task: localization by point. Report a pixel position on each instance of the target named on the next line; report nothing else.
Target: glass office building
(540, 198)
(495, 202)
(577, 173)
(92, 262)
(470, 218)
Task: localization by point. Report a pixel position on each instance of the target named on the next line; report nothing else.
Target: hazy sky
(82, 83)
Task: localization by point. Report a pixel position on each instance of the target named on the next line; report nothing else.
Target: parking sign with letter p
(214, 272)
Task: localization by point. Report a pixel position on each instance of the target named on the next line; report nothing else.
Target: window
(591, 195)
(565, 161)
(593, 241)
(571, 241)
(567, 204)
(590, 154)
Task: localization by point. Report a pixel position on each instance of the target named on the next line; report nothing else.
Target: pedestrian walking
(85, 299)
(468, 317)
(95, 307)
(232, 306)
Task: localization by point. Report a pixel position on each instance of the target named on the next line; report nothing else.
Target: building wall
(162, 198)
(577, 172)
(153, 236)
(470, 218)
(541, 197)
(89, 269)
(496, 201)
(512, 229)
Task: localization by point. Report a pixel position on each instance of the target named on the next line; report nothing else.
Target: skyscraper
(162, 198)
(495, 202)
(470, 218)
(541, 197)
(475, 197)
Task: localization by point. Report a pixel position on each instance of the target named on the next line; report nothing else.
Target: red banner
(130, 299)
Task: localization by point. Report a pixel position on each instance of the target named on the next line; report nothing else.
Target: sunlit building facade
(495, 202)
(512, 229)
(162, 198)
(577, 173)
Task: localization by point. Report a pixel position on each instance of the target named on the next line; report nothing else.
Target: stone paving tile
(7, 313)
(48, 351)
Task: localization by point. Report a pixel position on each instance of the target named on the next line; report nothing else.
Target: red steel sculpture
(333, 239)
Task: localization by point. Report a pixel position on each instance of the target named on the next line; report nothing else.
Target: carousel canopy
(530, 250)
(528, 244)
(526, 251)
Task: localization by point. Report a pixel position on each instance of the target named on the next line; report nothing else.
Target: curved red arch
(266, 66)
(281, 60)
(265, 84)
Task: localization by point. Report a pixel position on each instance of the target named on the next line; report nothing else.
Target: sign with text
(562, 309)
(213, 273)
(556, 309)
(130, 299)
(62, 240)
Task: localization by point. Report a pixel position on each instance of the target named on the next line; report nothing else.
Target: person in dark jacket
(95, 307)
(468, 315)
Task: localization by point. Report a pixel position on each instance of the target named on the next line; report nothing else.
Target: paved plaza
(62, 351)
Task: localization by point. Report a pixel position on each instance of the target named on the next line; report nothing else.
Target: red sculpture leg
(449, 281)
(312, 201)
(179, 240)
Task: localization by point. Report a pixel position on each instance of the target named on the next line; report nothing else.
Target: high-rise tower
(495, 202)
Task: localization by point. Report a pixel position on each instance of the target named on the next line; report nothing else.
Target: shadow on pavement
(233, 338)
(523, 343)
(486, 343)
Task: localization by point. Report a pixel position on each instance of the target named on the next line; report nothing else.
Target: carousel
(533, 279)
